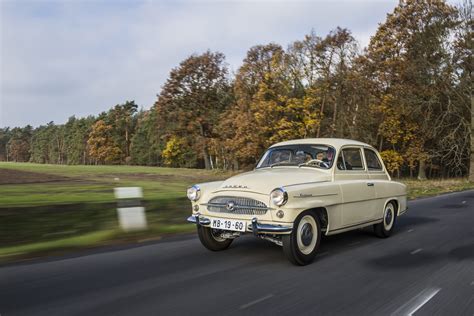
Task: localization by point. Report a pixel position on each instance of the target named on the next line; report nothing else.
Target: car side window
(350, 159)
(373, 162)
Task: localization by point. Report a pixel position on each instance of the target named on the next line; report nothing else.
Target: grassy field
(46, 208)
(28, 184)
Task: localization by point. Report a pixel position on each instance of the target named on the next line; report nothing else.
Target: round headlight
(279, 196)
(194, 193)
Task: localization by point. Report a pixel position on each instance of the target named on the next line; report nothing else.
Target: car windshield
(318, 156)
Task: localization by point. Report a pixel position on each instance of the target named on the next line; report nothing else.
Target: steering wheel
(319, 162)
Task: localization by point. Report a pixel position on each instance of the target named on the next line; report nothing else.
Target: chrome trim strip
(376, 198)
(303, 196)
(198, 220)
(256, 228)
(239, 206)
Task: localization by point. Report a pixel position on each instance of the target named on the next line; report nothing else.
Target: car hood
(265, 180)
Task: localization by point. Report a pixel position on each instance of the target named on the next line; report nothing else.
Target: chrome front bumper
(255, 227)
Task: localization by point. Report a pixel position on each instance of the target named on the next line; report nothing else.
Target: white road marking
(463, 202)
(410, 307)
(256, 301)
(416, 251)
(410, 230)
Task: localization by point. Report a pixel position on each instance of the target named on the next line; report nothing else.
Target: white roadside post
(131, 213)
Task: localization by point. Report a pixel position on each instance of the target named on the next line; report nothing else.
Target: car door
(379, 177)
(358, 191)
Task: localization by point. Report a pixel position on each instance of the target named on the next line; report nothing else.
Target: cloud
(81, 57)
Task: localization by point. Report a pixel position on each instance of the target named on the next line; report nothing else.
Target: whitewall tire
(385, 228)
(301, 246)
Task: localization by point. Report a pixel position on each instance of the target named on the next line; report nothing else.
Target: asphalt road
(426, 268)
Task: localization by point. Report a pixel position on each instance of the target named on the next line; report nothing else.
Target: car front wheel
(385, 228)
(301, 246)
(211, 239)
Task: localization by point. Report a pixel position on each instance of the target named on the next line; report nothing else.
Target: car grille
(241, 205)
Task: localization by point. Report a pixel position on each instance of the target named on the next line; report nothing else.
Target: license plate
(228, 224)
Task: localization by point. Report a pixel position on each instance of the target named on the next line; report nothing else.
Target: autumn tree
(102, 147)
(464, 64)
(281, 110)
(192, 99)
(322, 70)
(284, 95)
(239, 125)
(410, 65)
(342, 48)
(177, 154)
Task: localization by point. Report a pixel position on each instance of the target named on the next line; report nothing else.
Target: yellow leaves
(174, 151)
(283, 117)
(101, 146)
(385, 104)
(414, 153)
(396, 126)
(391, 126)
(392, 160)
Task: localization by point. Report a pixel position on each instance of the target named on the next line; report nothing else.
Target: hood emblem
(235, 186)
(230, 206)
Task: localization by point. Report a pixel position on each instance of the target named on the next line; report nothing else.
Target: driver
(322, 157)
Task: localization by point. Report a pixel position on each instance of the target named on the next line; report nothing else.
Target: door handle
(370, 184)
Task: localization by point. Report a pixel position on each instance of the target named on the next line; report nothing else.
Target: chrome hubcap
(306, 234)
(216, 234)
(389, 217)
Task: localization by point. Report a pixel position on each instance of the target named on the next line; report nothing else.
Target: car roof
(334, 142)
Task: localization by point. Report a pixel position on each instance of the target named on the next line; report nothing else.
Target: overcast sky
(64, 58)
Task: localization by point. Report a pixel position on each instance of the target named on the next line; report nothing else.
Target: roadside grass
(75, 207)
(433, 187)
(59, 208)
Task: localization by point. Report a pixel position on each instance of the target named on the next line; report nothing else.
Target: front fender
(307, 196)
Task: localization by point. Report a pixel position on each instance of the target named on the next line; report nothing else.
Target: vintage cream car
(300, 190)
